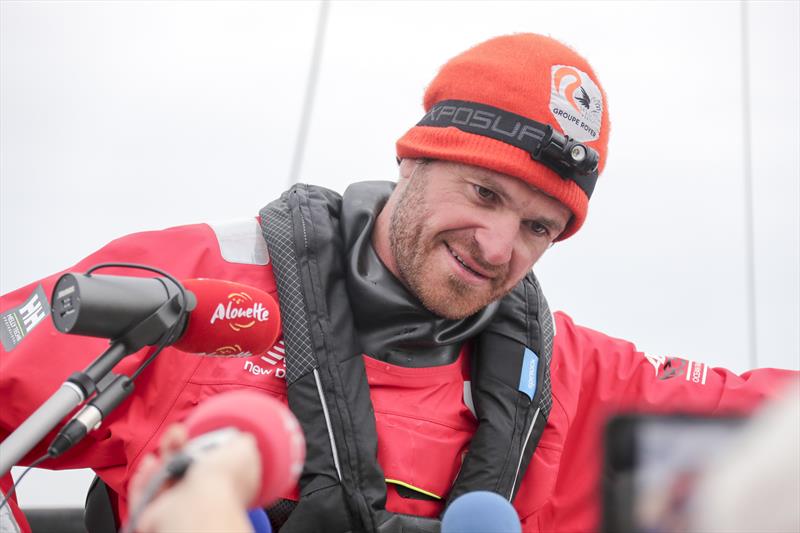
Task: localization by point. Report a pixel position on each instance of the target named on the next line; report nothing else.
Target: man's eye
(537, 228)
(484, 193)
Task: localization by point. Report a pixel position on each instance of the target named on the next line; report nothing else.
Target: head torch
(570, 159)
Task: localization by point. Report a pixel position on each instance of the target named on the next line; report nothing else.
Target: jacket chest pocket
(420, 459)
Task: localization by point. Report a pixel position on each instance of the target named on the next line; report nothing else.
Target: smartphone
(651, 462)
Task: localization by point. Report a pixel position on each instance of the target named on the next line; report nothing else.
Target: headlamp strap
(564, 155)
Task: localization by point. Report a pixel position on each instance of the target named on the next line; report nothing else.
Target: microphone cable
(170, 336)
(122, 385)
(166, 340)
(34, 464)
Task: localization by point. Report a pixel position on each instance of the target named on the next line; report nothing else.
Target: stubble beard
(411, 245)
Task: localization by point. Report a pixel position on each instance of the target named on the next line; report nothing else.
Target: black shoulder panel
(342, 486)
(510, 391)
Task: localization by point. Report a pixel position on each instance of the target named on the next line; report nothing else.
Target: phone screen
(651, 465)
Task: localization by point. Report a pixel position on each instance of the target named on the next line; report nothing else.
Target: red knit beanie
(529, 75)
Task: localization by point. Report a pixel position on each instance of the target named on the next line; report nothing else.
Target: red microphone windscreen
(280, 440)
(230, 319)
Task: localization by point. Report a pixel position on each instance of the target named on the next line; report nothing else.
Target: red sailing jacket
(423, 418)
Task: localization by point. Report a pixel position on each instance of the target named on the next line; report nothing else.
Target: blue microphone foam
(259, 520)
(481, 512)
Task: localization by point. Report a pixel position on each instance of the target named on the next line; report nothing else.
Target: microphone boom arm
(155, 329)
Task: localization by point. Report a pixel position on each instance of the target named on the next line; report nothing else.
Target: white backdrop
(118, 117)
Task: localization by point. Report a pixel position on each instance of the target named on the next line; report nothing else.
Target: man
(421, 357)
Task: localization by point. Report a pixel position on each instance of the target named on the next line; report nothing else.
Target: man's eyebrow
(494, 185)
(554, 226)
(499, 190)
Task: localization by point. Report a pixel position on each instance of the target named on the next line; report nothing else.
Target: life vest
(342, 487)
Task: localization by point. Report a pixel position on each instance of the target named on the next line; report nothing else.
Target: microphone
(218, 419)
(481, 512)
(280, 441)
(259, 520)
(226, 318)
(229, 319)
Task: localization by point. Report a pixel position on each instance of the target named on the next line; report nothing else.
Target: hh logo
(32, 312)
(17, 322)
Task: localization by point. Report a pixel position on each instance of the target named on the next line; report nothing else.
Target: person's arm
(594, 377)
(614, 375)
(35, 359)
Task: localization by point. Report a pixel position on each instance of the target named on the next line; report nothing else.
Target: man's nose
(496, 239)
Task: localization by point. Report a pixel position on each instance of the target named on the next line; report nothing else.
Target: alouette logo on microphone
(241, 311)
(231, 319)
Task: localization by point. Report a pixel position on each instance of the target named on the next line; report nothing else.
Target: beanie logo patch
(576, 103)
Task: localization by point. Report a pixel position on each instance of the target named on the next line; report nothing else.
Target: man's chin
(449, 314)
(452, 308)
(450, 298)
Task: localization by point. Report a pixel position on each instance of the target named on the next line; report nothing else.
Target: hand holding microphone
(244, 450)
(212, 495)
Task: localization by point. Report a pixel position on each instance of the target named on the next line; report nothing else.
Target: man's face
(463, 236)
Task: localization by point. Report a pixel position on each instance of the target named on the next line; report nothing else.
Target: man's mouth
(464, 264)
